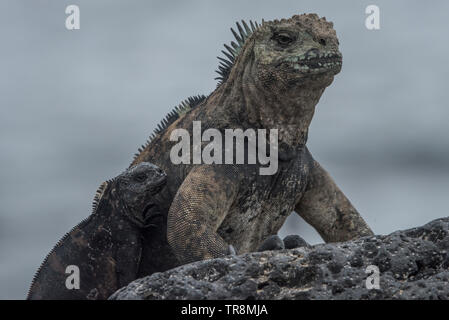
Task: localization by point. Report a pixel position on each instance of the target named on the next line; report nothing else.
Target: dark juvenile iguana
(123, 239)
(271, 78)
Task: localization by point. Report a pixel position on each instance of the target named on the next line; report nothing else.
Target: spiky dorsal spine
(224, 68)
(232, 51)
(98, 194)
(177, 112)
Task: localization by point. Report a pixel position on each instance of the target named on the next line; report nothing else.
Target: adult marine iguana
(116, 244)
(272, 78)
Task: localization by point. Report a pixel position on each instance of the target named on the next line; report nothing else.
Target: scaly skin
(274, 79)
(111, 247)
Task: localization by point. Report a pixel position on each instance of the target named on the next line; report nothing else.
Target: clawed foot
(295, 241)
(272, 243)
(276, 243)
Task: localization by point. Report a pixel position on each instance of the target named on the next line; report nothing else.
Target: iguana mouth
(321, 61)
(314, 63)
(319, 64)
(150, 212)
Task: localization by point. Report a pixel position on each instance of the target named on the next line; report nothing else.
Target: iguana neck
(270, 107)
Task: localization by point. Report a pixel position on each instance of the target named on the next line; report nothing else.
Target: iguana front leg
(198, 209)
(327, 209)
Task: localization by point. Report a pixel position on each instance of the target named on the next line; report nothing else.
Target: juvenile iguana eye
(141, 177)
(284, 39)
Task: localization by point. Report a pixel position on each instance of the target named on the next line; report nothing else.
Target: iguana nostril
(322, 42)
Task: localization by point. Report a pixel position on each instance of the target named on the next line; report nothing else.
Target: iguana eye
(141, 177)
(284, 39)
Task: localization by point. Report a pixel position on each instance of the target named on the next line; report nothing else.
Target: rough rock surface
(413, 264)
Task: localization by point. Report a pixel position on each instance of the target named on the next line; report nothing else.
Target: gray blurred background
(75, 105)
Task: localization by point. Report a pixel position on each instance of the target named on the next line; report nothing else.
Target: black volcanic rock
(413, 264)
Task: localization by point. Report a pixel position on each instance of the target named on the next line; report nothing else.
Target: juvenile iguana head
(134, 194)
(137, 188)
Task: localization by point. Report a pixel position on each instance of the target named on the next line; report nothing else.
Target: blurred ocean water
(75, 105)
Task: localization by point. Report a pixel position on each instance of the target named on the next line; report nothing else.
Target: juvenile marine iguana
(116, 244)
(271, 78)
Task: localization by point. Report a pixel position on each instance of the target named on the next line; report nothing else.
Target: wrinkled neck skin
(274, 104)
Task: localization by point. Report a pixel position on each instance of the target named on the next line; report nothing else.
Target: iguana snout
(297, 50)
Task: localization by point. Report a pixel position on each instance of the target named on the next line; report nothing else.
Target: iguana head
(138, 187)
(288, 52)
(278, 70)
(297, 51)
(134, 193)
